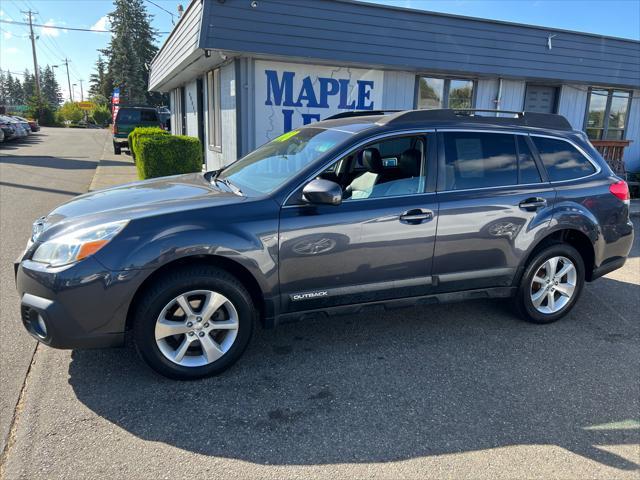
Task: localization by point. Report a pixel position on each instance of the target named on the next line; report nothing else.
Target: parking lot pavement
(36, 174)
(462, 390)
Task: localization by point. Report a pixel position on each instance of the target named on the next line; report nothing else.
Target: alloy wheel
(553, 285)
(196, 328)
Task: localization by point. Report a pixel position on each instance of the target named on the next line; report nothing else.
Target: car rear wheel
(551, 284)
(117, 149)
(194, 323)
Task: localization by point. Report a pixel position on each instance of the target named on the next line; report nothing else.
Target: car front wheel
(551, 284)
(194, 323)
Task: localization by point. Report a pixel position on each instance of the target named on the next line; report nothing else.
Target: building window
(213, 109)
(445, 93)
(177, 108)
(607, 112)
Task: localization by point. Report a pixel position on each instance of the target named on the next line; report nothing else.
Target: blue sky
(619, 18)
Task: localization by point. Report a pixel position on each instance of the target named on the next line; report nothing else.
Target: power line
(75, 29)
(161, 8)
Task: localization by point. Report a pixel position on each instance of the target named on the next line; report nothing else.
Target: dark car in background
(355, 212)
(8, 128)
(129, 118)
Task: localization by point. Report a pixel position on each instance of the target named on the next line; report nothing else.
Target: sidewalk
(114, 170)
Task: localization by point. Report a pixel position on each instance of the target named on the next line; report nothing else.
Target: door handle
(533, 204)
(416, 216)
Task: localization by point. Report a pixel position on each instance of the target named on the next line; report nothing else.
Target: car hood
(134, 200)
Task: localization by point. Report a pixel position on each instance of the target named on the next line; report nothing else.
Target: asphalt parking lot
(462, 391)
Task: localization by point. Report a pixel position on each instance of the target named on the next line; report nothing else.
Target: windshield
(277, 162)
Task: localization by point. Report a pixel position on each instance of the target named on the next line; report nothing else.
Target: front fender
(250, 238)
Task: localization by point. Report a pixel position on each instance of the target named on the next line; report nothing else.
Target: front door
(378, 244)
(493, 202)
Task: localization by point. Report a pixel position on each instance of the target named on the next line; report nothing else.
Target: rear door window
(478, 160)
(562, 160)
(527, 169)
(136, 116)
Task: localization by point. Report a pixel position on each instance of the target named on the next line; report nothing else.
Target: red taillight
(115, 129)
(620, 190)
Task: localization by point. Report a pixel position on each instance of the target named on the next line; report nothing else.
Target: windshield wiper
(229, 185)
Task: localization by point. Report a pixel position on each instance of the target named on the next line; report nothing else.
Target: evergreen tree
(49, 87)
(130, 50)
(14, 92)
(3, 88)
(28, 86)
(99, 82)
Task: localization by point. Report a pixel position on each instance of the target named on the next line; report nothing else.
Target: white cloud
(11, 50)
(1, 13)
(102, 24)
(51, 32)
(7, 35)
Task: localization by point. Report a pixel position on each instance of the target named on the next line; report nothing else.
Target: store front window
(445, 93)
(607, 112)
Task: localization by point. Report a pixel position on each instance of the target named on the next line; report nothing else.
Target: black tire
(170, 286)
(117, 149)
(523, 302)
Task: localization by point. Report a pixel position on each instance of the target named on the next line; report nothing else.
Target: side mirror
(322, 192)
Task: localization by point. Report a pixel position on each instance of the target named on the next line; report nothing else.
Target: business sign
(290, 95)
(86, 105)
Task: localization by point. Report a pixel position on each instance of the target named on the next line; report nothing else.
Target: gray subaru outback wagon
(362, 209)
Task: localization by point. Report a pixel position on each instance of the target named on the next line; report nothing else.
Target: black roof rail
(519, 118)
(360, 113)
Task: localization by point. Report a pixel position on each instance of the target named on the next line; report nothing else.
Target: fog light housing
(40, 326)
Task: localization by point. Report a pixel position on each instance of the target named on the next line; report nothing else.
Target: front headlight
(73, 247)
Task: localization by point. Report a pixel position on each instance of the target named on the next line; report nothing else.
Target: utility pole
(81, 92)
(66, 62)
(33, 49)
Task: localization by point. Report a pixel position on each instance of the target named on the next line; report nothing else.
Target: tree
(28, 86)
(71, 112)
(130, 51)
(99, 82)
(14, 94)
(49, 87)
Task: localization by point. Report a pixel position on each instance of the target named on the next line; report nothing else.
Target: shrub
(140, 132)
(70, 112)
(162, 155)
(101, 115)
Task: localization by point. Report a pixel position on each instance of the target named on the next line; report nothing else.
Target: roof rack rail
(519, 118)
(360, 113)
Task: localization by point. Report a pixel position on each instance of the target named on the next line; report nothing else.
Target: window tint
(384, 169)
(528, 171)
(136, 116)
(476, 160)
(562, 160)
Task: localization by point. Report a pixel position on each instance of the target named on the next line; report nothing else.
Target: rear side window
(528, 171)
(477, 160)
(136, 116)
(562, 160)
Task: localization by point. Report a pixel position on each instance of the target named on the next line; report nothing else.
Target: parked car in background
(361, 210)
(33, 124)
(1, 135)
(8, 128)
(24, 124)
(17, 127)
(165, 117)
(129, 118)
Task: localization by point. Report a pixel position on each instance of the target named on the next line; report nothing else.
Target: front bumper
(79, 306)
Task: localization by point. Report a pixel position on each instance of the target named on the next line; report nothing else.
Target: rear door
(494, 199)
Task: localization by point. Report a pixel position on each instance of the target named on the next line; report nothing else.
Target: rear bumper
(122, 142)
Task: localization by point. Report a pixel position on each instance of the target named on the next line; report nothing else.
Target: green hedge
(162, 155)
(140, 132)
